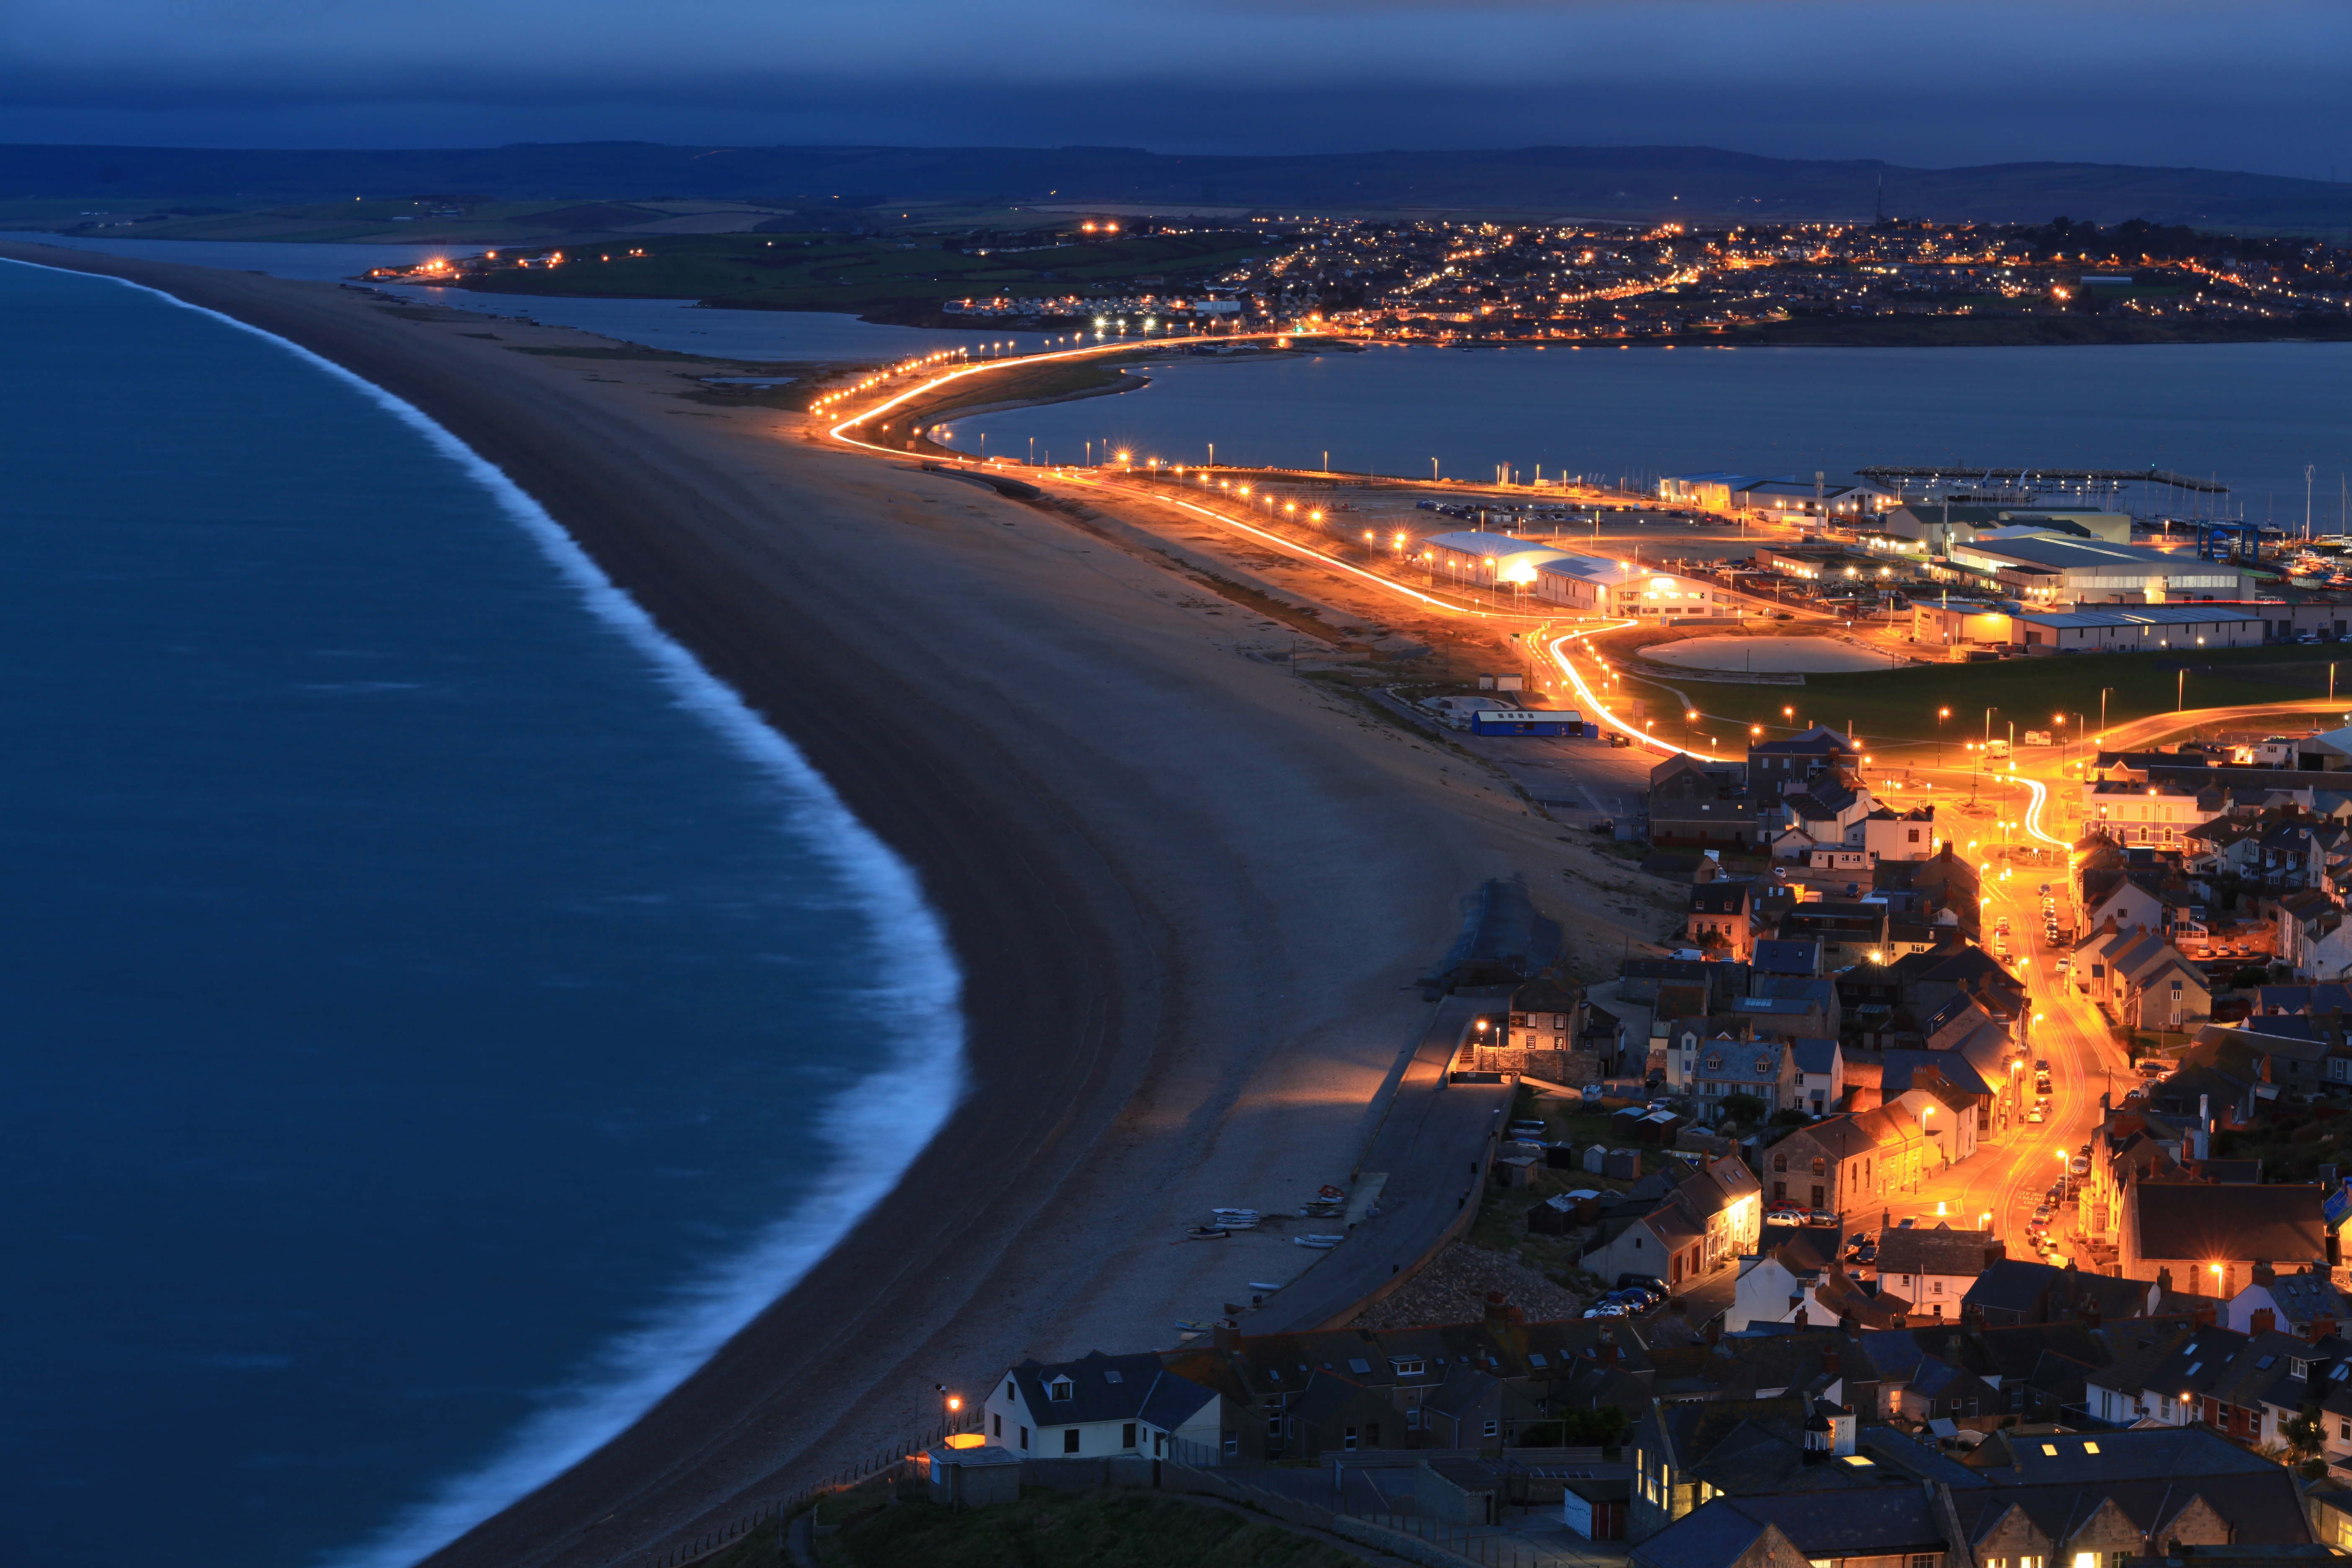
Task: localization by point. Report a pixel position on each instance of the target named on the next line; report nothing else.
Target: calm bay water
(2252, 414)
(425, 998)
(677, 324)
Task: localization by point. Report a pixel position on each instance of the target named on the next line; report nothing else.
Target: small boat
(1335, 1240)
(1208, 1233)
(1262, 1285)
(1318, 1246)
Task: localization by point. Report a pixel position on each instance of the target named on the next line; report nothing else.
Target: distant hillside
(1640, 183)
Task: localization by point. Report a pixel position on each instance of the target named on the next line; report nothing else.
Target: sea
(2252, 417)
(439, 1013)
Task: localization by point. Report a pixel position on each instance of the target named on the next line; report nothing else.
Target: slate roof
(2195, 1223)
(1939, 1251)
(1786, 958)
(1712, 1536)
(1883, 1522)
(1108, 1388)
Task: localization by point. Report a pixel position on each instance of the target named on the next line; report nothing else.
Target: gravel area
(1452, 1290)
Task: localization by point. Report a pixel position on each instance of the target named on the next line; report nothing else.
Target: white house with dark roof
(1096, 1406)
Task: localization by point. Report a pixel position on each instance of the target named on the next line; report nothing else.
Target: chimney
(2086, 1310)
(2202, 1315)
(1496, 1312)
(2322, 1327)
(2164, 1280)
(2263, 1273)
(1832, 1363)
(2263, 1321)
(1226, 1335)
(1801, 1317)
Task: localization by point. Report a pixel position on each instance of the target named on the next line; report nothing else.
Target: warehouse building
(2045, 571)
(1594, 587)
(1487, 560)
(2141, 630)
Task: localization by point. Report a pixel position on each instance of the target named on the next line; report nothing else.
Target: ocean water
(438, 1014)
(815, 336)
(2253, 414)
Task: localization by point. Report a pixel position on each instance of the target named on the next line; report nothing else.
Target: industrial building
(1595, 588)
(2042, 569)
(1728, 492)
(2139, 630)
(1489, 560)
(1940, 527)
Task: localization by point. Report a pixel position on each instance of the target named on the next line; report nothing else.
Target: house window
(1493, 1428)
(1412, 1419)
(1233, 1445)
(1779, 1162)
(1010, 1393)
(1926, 1562)
(1372, 1436)
(1024, 1436)
(1779, 1190)
(1070, 1441)
(1060, 1388)
(1820, 1167)
(1127, 1435)
(1347, 1440)
(997, 1427)
(1274, 1425)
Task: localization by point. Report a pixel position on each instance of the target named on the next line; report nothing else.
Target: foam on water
(912, 1090)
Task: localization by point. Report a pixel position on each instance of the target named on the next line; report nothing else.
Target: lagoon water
(2252, 414)
(438, 1014)
(679, 325)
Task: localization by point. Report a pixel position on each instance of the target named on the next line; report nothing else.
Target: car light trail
(840, 433)
(1576, 680)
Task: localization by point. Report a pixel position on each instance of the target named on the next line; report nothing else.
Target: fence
(889, 1466)
(1339, 1495)
(1345, 1497)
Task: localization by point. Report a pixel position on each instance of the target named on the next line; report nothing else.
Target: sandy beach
(1190, 892)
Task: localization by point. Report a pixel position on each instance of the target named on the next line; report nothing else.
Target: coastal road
(1431, 1146)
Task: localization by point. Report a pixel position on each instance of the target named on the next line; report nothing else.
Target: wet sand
(1189, 891)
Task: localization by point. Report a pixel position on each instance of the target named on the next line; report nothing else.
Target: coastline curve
(922, 1081)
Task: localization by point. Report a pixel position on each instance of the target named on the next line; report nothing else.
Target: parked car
(1646, 1281)
(1529, 1129)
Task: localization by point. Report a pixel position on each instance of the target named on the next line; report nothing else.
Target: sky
(2244, 84)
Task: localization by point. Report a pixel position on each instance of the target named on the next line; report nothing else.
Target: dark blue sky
(2242, 85)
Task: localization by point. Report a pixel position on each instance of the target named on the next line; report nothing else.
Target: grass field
(1047, 1530)
(1901, 710)
(802, 271)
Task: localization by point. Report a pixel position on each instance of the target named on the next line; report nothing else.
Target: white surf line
(913, 1087)
(1576, 678)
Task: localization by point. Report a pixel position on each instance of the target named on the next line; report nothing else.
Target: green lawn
(1899, 710)
(794, 272)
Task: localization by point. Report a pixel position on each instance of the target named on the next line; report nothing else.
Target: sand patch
(1767, 656)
